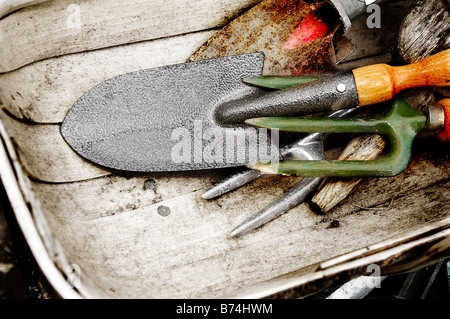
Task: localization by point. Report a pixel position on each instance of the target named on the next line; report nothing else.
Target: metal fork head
(399, 123)
(308, 147)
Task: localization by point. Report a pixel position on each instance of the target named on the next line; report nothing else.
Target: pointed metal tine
(279, 82)
(248, 175)
(304, 148)
(312, 144)
(295, 196)
(231, 183)
(309, 147)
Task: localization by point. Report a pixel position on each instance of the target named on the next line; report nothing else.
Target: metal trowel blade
(162, 119)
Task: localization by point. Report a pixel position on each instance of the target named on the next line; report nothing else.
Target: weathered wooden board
(140, 251)
(44, 91)
(123, 192)
(60, 27)
(45, 155)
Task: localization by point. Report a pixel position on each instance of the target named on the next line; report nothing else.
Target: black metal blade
(162, 119)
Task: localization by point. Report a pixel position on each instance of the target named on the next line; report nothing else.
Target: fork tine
(246, 176)
(295, 196)
(303, 145)
(231, 183)
(312, 144)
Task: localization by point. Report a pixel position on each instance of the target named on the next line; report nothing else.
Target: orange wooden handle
(381, 82)
(444, 135)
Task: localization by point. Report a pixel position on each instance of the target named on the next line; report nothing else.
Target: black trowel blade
(162, 119)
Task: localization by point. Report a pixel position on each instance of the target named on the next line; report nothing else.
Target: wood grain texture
(133, 251)
(43, 92)
(424, 31)
(364, 147)
(56, 28)
(45, 155)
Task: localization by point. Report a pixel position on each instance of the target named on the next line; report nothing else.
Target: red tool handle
(380, 82)
(444, 135)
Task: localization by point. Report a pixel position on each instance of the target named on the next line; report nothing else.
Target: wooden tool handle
(381, 82)
(444, 135)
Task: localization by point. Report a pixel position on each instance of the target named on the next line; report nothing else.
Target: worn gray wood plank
(45, 155)
(60, 27)
(120, 193)
(138, 252)
(44, 91)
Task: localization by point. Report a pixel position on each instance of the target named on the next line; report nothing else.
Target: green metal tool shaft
(399, 123)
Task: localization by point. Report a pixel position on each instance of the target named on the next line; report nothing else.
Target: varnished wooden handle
(381, 82)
